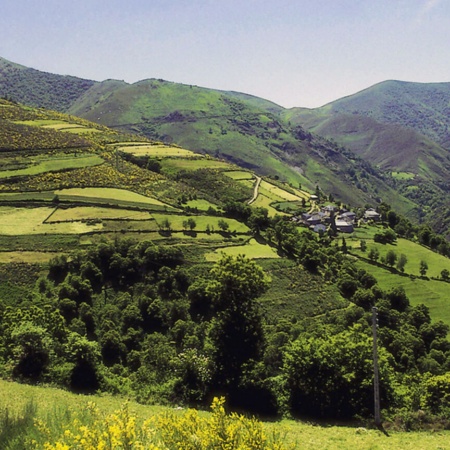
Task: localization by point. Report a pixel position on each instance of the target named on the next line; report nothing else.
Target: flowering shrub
(173, 430)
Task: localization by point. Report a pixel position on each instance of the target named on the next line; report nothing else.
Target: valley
(163, 253)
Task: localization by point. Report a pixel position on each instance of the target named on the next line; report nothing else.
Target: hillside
(133, 267)
(388, 146)
(243, 129)
(423, 107)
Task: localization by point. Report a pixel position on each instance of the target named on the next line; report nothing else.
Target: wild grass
(251, 249)
(96, 212)
(176, 222)
(432, 293)
(157, 151)
(22, 221)
(194, 164)
(54, 165)
(22, 405)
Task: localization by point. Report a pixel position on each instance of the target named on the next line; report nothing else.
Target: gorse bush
(188, 430)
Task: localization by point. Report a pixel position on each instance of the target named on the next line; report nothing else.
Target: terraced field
(156, 151)
(44, 164)
(114, 196)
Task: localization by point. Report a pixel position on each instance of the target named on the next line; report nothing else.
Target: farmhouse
(348, 216)
(343, 226)
(371, 214)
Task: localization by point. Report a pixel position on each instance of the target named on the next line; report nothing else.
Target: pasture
(252, 249)
(239, 175)
(94, 212)
(28, 257)
(193, 164)
(202, 222)
(414, 252)
(22, 221)
(432, 293)
(54, 406)
(156, 151)
(54, 164)
(111, 195)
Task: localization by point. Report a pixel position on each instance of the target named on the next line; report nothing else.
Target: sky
(293, 52)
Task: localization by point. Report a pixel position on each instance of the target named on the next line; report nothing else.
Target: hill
(420, 106)
(56, 408)
(128, 266)
(242, 129)
(388, 146)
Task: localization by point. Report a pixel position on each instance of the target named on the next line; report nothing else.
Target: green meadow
(23, 405)
(54, 165)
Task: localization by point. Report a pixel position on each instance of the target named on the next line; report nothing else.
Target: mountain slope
(240, 128)
(388, 146)
(424, 107)
(41, 89)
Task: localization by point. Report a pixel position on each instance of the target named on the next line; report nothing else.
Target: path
(255, 191)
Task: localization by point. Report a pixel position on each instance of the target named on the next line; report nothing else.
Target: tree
(401, 263)
(223, 225)
(423, 268)
(191, 223)
(363, 245)
(391, 258)
(374, 254)
(236, 333)
(445, 275)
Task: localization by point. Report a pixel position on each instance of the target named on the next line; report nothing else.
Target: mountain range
(389, 143)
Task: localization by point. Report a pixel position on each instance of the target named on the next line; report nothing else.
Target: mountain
(388, 146)
(423, 107)
(40, 89)
(240, 128)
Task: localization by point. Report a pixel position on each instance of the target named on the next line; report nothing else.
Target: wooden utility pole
(376, 377)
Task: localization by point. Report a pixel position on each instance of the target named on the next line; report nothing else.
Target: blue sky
(293, 52)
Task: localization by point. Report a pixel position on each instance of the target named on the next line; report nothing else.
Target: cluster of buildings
(344, 220)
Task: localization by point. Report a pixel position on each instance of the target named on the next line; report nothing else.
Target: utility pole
(376, 377)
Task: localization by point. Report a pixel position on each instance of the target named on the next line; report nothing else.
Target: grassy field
(157, 151)
(275, 192)
(193, 164)
(54, 404)
(403, 175)
(176, 222)
(111, 196)
(96, 212)
(54, 165)
(252, 249)
(414, 252)
(201, 204)
(239, 175)
(432, 293)
(27, 257)
(21, 221)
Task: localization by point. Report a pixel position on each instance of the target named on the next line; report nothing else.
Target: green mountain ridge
(257, 134)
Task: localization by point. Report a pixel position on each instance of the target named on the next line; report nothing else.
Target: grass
(54, 165)
(413, 251)
(21, 404)
(252, 249)
(176, 222)
(432, 293)
(277, 193)
(157, 151)
(403, 175)
(194, 164)
(239, 175)
(201, 204)
(21, 221)
(114, 196)
(96, 212)
(26, 257)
